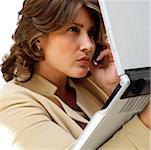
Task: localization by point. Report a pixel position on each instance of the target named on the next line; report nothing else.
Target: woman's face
(70, 52)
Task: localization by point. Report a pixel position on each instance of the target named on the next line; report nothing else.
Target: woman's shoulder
(11, 89)
(15, 94)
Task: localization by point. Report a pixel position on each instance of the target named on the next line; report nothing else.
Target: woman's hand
(145, 116)
(105, 73)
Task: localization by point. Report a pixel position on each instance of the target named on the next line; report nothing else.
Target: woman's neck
(53, 76)
(64, 90)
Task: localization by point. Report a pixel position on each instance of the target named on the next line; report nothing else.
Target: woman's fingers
(104, 59)
(105, 53)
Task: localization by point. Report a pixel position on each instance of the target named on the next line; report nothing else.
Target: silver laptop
(127, 27)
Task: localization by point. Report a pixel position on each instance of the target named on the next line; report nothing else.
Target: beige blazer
(32, 118)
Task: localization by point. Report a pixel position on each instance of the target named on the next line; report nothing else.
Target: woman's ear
(40, 42)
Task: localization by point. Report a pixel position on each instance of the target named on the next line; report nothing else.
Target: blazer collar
(84, 90)
(40, 85)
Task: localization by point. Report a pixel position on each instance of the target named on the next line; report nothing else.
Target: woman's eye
(93, 34)
(73, 29)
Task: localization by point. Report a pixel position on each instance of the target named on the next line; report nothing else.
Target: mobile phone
(99, 48)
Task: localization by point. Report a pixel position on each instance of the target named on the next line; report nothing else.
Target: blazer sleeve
(134, 135)
(26, 126)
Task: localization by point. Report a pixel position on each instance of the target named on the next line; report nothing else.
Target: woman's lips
(84, 61)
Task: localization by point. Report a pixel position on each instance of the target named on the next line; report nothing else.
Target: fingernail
(98, 59)
(95, 63)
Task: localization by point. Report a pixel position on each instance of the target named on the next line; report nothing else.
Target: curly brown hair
(39, 17)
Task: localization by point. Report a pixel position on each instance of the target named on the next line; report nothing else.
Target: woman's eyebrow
(81, 25)
(78, 24)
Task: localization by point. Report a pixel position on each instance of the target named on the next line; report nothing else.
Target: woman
(49, 97)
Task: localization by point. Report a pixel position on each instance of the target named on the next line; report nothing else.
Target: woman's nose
(87, 43)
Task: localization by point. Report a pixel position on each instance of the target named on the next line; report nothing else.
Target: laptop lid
(127, 27)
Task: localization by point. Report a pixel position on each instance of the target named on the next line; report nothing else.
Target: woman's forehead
(84, 17)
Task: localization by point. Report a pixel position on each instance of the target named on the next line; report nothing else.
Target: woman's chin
(80, 73)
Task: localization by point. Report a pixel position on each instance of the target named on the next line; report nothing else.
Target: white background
(8, 18)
